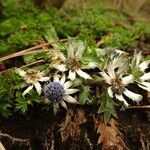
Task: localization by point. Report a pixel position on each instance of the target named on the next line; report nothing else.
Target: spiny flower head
(59, 91)
(73, 62)
(54, 91)
(116, 79)
(32, 79)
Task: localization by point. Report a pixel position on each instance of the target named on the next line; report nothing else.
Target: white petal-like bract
(110, 92)
(70, 50)
(67, 84)
(62, 57)
(145, 86)
(63, 104)
(71, 91)
(21, 72)
(80, 51)
(38, 87)
(144, 65)
(56, 78)
(138, 58)
(62, 80)
(72, 75)
(83, 74)
(27, 90)
(121, 98)
(69, 99)
(61, 67)
(44, 79)
(106, 77)
(146, 76)
(132, 95)
(128, 79)
(91, 65)
(111, 71)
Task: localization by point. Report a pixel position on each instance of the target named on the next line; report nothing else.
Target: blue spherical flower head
(54, 91)
(59, 91)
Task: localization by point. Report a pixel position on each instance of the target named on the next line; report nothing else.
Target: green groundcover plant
(91, 67)
(70, 73)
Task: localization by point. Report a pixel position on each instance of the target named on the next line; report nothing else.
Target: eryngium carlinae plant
(32, 79)
(118, 79)
(72, 62)
(138, 69)
(59, 91)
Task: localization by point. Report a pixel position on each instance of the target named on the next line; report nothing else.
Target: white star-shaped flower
(144, 79)
(32, 79)
(117, 83)
(59, 91)
(73, 62)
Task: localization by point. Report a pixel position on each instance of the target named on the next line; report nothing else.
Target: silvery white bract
(73, 62)
(117, 82)
(59, 91)
(144, 79)
(32, 79)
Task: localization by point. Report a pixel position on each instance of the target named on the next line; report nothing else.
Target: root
(15, 140)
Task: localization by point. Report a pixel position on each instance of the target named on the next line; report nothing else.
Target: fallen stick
(146, 106)
(29, 49)
(13, 139)
(30, 64)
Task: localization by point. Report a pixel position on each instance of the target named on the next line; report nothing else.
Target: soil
(39, 129)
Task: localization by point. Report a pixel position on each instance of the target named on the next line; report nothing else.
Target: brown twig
(30, 64)
(33, 63)
(35, 51)
(38, 51)
(29, 49)
(13, 139)
(146, 106)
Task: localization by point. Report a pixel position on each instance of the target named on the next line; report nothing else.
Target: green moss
(7, 90)
(22, 28)
(23, 24)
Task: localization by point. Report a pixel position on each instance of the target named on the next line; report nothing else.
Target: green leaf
(28, 58)
(90, 55)
(107, 106)
(84, 95)
(107, 116)
(22, 104)
(41, 55)
(77, 82)
(51, 36)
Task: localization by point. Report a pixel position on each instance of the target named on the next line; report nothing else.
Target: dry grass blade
(27, 65)
(110, 137)
(143, 107)
(29, 49)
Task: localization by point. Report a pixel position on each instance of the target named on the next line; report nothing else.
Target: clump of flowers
(59, 91)
(118, 82)
(114, 68)
(32, 79)
(72, 62)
